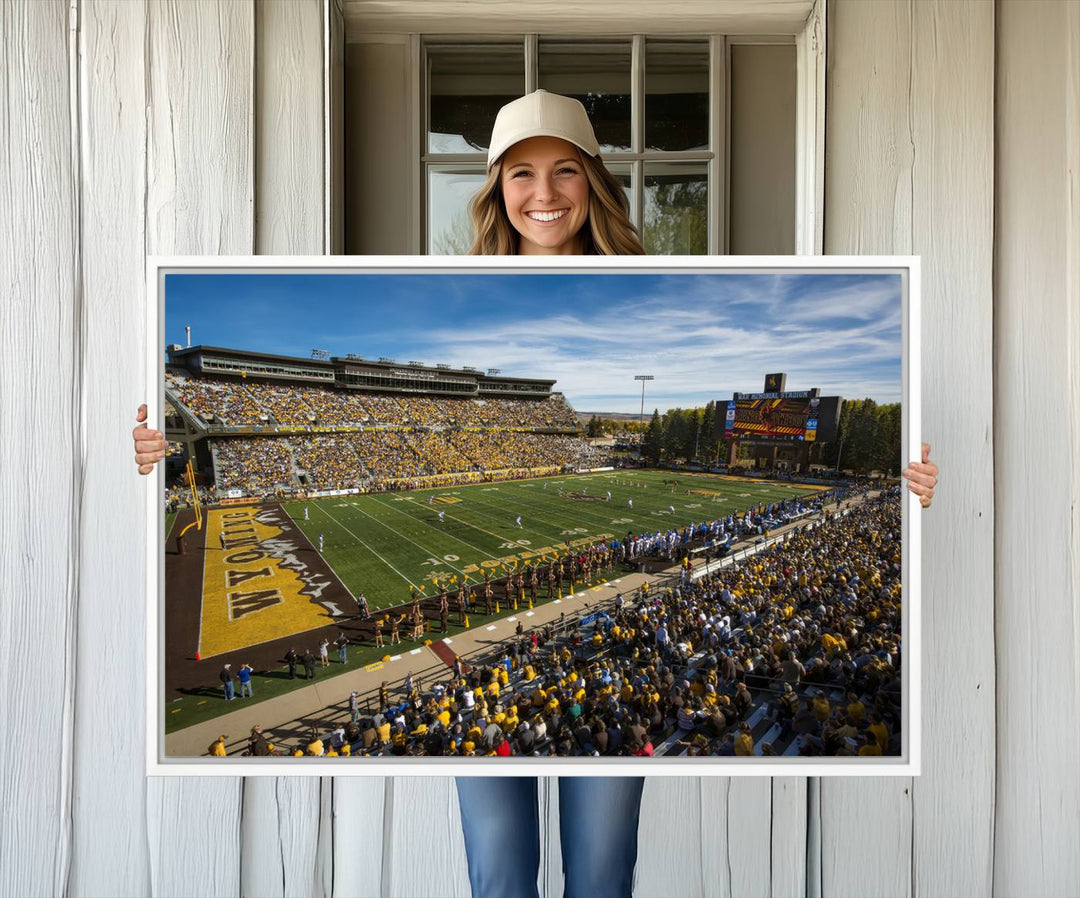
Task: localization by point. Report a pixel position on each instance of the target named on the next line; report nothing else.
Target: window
(660, 108)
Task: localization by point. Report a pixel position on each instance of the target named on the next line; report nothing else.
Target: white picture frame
(907, 764)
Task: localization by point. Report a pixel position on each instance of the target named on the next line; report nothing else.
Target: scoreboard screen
(806, 419)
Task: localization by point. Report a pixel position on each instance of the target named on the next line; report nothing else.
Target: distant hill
(584, 417)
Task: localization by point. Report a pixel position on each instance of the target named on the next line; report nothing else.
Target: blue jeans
(598, 824)
(245, 689)
(228, 690)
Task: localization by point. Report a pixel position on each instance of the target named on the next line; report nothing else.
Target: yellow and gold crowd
(251, 403)
(258, 467)
(333, 439)
(795, 651)
(378, 459)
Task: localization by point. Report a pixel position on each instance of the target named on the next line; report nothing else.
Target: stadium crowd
(800, 643)
(259, 467)
(374, 459)
(249, 402)
(330, 461)
(384, 441)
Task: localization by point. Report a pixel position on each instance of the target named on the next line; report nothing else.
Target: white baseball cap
(541, 114)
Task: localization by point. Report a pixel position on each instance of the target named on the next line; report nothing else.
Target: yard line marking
(511, 619)
(557, 602)
(425, 550)
(492, 627)
(338, 523)
(539, 517)
(421, 521)
(415, 652)
(395, 657)
(529, 613)
(500, 537)
(326, 561)
(512, 528)
(448, 641)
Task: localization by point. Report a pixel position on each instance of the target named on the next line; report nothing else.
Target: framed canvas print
(621, 516)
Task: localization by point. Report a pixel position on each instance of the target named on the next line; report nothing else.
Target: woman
(548, 193)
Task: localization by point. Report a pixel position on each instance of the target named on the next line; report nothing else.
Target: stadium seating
(317, 438)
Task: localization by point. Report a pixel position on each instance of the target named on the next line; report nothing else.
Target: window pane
(449, 192)
(597, 74)
(676, 209)
(467, 84)
(676, 95)
(762, 178)
(623, 175)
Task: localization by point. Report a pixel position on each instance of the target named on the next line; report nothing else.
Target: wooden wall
(200, 127)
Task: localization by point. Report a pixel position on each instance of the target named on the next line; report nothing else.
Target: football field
(385, 543)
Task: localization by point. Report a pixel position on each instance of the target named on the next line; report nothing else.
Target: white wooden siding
(919, 179)
(41, 449)
(200, 198)
(1037, 450)
(198, 127)
(110, 850)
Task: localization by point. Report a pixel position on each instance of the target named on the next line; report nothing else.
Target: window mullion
(637, 129)
(532, 62)
(718, 107)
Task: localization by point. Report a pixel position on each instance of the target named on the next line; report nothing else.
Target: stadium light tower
(643, 378)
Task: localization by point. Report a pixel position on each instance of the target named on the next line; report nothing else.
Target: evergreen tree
(654, 438)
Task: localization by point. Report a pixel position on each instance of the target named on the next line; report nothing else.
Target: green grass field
(383, 543)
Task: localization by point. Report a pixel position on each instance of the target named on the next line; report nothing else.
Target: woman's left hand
(922, 477)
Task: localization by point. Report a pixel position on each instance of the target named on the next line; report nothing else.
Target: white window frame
(809, 42)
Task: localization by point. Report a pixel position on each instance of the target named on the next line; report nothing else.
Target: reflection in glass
(449, 191)
(623, 175)
(467, 85)
(676, 209)
(597, 74)
(676, 95)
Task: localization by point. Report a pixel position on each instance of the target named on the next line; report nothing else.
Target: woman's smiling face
(546, 195)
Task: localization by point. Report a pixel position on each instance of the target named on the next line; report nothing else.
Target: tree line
(867, 437)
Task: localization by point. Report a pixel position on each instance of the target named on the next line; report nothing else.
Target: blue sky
(701, 335)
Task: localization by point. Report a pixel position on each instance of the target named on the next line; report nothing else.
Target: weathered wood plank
(670, 841)
(789, 814)
(280, 832)
(282, 822)
(193, 827)
(200, 187)
(866, 823)
(424, 849)
(199, 200)
(41, 436)
(109, 779)
(551, 875)
(735, 820)
(910, 158)
(1037, 448)
(289, 127)
(358, 826)
(952, 132)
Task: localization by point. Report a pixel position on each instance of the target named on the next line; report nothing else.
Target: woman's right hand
(149, 444)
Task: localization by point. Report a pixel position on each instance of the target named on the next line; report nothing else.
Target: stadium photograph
(607, 517)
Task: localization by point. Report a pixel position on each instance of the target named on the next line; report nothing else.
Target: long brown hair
(608, 230)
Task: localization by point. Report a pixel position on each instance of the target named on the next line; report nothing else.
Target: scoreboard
(784, 416)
